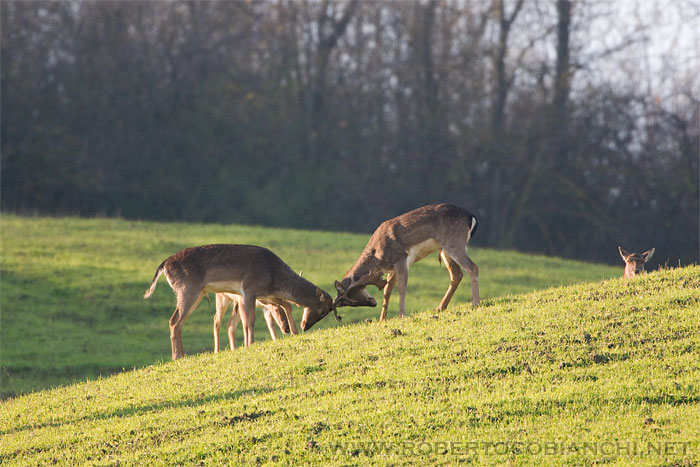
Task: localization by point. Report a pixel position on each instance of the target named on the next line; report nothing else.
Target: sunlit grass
(596, 373)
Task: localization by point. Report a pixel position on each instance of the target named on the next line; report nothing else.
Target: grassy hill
(71, 290)
(595, 373)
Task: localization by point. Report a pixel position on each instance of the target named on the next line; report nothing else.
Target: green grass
(71, 290)
(595, 373)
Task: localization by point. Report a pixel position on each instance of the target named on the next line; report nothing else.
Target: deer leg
(248, 317)
(175, 335)
(401, 269)
(287, 307)
(455, 278)
(267, 314)
(241, 317)
(187, 301)
(222, 303)
(280, 316)
(388, 288)
(233, 323)
(459, 254)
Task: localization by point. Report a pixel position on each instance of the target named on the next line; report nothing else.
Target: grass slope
(71, 290)
(596, 373)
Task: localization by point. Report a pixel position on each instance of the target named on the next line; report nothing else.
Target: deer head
(313, 314)
(634, 262)
(352, 290)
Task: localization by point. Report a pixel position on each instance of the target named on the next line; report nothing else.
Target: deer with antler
(634, 262)
(396, 245)
(250, 271)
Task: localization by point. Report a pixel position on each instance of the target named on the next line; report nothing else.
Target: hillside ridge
(71, 291)
(589, 373)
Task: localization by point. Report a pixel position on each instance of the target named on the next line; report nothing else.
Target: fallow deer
(250, 271)
(396, 245)
(271, 313)
(634, 262)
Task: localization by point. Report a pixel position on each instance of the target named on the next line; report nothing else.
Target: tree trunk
(561, 86)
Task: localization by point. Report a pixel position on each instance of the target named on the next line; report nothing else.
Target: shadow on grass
(137, 410)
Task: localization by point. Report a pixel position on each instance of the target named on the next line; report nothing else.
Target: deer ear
(339, 287)
(321, 296)
(623, 253)
(648, 254)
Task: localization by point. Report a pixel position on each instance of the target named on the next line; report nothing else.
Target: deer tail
(475, 224)
(159, 271)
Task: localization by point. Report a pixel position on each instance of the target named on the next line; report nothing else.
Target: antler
(372, 278)
(335, 313)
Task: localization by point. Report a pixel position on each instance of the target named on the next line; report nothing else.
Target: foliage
(71, 290)
(587, 374)
(338, 115)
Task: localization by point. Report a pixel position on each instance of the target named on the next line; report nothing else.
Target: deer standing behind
(271, 313)
(396, 245)
(253, 272)
(634, 262)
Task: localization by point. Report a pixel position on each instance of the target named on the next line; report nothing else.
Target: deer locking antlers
(372, 278)
(257, 274)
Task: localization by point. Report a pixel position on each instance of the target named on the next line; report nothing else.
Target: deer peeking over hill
(634, 262)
